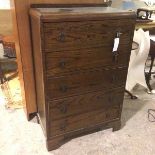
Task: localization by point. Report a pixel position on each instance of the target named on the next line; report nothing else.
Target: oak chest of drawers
(80, 80)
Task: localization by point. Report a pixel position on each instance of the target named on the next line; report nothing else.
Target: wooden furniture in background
(80, 80)
(24, 49)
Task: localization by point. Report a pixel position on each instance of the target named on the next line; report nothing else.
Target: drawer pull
(118, 34)
(110, 99)
(113, 78)
(62, 64)
(63, 88)
(61, 37)
(63, 126)
(63, 109)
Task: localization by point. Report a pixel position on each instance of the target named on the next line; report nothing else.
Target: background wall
(4, 4)
(5, 18)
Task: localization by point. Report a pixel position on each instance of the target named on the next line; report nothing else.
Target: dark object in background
(9, 49)
(149, 73)
(8, 62)
(147, 12)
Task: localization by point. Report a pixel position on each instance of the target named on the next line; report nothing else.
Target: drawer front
(80, 35)
(84, 103)
(86, 81)
(60, 63)
(84, 120)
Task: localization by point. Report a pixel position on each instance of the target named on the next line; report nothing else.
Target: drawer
(80, 35)
(60, 63)
(84, 103)
(86, 81)
(83, 121)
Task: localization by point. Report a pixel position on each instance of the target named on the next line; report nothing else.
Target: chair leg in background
(131, 95)
(148, 77)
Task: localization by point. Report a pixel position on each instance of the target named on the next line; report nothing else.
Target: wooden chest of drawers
(80, 81)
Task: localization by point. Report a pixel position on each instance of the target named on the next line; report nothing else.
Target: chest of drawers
(80, 81)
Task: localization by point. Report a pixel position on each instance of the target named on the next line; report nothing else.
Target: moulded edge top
(75, 13)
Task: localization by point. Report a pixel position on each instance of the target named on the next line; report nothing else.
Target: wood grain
(56, 141)
(24, 49)
(74, 35)
(84, 120)
(85, 81)
(63, 62)
(68, 107)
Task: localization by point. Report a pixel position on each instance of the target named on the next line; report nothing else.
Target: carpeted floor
(136, 137)
(10, 94)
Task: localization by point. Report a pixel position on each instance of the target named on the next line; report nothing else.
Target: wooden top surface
(82, 12)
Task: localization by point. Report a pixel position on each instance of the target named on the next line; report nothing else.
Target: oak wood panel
(74, 35)
(68, 107)
(88, 26)
(24, 49)
(84, 120)
(66, 1)
(61, 63)
(85, 81)
(39, 78)
(18, 52)
(56, 141)
(70, 5)
(24, 53)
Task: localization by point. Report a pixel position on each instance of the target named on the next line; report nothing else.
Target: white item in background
(152, 37)
(4, 4)
(138, 59)
(1, 50)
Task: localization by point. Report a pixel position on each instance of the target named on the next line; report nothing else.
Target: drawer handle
(63, 88)
(63, 109)
(114, 78)
(63, 126)
(118, 34)
(61, 37)
(62, 64)
(110, 99)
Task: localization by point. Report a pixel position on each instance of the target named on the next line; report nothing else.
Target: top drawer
(80, 35)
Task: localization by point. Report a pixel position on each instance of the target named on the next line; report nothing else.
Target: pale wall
(5, 22)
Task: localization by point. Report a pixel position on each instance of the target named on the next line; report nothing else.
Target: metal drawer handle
(63, 88)
(63, 108)
(62, 64)
(63, 126)
(113, 78)
(110, 99)
(61, 37)
(117, 78)
(118, 34)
